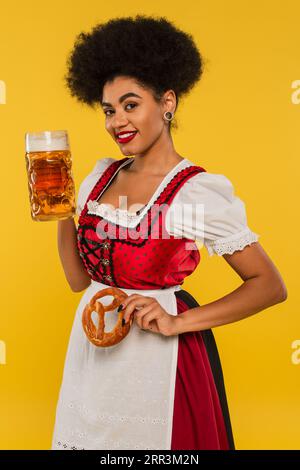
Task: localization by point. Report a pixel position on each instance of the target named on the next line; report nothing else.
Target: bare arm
(75, 272)
(263, 287)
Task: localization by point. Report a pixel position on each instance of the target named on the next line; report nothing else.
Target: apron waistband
(168, 290)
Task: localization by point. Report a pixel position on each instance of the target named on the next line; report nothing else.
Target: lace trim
(113, 215)
(131, 219)
(74, 438)
(63, 444)
(68, 446)
(231, 244)
(93, 415)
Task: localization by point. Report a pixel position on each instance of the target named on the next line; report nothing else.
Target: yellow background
(239, 120)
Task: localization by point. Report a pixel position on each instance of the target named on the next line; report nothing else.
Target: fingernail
(120, 307)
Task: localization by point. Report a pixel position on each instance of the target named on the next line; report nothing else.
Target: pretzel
(98, 336)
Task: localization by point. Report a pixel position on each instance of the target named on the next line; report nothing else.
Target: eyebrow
(122, 98)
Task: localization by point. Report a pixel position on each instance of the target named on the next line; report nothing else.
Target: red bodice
(143, 257)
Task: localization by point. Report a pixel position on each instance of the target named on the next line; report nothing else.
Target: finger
(129, 298)
(132, 297)
(140, 314)
(126, 301)
(149, 317)
(137, 303)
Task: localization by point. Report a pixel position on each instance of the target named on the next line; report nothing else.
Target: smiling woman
(162, 387)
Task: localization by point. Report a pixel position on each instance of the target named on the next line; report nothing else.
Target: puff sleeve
(212, 214)
(90, 180)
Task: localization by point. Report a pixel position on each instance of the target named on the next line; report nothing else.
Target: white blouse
(204, 209)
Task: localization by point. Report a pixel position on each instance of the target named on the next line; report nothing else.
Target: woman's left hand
(149, 314)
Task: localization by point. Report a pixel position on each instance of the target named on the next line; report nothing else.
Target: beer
(50, 179)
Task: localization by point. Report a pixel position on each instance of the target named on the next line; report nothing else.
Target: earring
(168, 115)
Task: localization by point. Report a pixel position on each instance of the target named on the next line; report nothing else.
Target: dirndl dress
(149, 391)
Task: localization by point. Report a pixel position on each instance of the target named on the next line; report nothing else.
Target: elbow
(273, 290)
(80, 287)
(280, 291)
(283, 294)
(77, 289)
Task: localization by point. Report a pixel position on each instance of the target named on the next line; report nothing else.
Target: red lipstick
(124, 140)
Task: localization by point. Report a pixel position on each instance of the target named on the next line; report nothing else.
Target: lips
(123, 140)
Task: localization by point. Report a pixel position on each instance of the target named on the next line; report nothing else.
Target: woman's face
(139, 113)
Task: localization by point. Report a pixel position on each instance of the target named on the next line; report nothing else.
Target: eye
(131, 104)
(128, 104)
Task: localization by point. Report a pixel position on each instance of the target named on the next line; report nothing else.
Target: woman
(161, 387)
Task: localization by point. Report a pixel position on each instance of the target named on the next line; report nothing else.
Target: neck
(158, 160)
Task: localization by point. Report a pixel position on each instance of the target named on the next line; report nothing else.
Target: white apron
(119, 397)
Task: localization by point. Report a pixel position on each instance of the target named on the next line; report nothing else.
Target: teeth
(126, 135)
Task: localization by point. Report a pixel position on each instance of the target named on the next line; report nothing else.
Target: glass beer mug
(50, 179)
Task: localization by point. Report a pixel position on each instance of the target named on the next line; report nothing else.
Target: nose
(119, 120)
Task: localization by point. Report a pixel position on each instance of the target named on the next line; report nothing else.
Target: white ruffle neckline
(104, 209)
(124, 217)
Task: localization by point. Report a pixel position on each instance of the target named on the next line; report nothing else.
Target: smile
(127, 137)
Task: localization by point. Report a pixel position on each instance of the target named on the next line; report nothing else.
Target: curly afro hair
(150, 50)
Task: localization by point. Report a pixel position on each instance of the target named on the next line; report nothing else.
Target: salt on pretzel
(97, 335)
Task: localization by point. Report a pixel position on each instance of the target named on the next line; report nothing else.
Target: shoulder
(206, 186)
(90, 180)
(101, 164)
(207, 209)
(97, 170)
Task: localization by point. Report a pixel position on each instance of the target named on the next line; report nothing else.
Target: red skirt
(201, 417)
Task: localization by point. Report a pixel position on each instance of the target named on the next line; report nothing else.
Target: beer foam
(46, 141)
